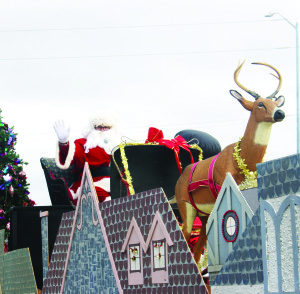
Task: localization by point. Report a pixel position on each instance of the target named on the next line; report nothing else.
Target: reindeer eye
(260, 105)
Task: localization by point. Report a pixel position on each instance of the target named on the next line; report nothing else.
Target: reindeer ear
(248, 105)
(280, 101)
(236, 95)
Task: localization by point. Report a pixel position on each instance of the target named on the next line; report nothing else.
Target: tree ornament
(7, 178)
(17, 161)
(22, 175)
(11, 191)
(2, 217)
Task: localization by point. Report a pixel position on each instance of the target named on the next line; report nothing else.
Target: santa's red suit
(94, 148)
(96, 157)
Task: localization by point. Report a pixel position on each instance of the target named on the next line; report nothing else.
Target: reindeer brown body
(264, 112)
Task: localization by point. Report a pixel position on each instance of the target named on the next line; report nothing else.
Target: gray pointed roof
(184, 276)
(244, 265)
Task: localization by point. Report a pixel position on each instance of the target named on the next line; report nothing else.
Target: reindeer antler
(236, 74)
(278, 77)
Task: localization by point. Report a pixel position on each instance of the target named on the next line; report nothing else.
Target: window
(159, 255)
(135, 258)
(230, 226)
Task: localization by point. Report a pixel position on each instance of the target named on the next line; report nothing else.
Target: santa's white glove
(62, 131)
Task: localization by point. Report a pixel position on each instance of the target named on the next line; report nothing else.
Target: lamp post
(295, 26)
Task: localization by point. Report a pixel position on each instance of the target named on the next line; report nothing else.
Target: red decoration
(22, 175)
(11, 190)
(31, 203)
(157, 136)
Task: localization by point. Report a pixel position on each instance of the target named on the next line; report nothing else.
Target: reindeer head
(263, 109)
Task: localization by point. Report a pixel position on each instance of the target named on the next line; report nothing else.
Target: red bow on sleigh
(157, 136)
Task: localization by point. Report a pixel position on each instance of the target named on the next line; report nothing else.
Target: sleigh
(157, 163)
(148, 167)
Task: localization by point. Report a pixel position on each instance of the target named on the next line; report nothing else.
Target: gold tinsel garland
(250, 177)
(128, 177)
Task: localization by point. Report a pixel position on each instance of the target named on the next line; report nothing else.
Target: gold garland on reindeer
(128, 178)
(250, 176)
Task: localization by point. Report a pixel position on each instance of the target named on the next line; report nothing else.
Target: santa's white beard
(106, 140)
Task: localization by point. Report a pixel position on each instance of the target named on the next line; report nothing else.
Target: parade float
(140, 240)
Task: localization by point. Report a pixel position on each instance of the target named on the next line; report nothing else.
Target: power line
(144, 54)
(135, 26)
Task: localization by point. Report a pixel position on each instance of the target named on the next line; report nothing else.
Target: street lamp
(295, 26)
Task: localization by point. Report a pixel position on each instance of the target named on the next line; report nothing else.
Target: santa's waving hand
(95, 147)
(62, 131)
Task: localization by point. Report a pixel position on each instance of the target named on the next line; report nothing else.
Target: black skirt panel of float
(25, 227)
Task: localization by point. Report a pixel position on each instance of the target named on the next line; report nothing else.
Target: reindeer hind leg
(201, 240)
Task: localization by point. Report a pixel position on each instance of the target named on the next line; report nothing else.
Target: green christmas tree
(13, 183)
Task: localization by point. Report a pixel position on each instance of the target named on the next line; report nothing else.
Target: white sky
(166, 64)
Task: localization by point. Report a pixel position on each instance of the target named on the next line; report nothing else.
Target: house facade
(127, 245)
(265, 258)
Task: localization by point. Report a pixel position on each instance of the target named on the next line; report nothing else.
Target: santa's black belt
(101, 171)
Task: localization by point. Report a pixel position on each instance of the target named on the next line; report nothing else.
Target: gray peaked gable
(81, 261)
(184, 276)
(244, 265)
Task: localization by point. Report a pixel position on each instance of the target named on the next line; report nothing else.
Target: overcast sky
(166, 64)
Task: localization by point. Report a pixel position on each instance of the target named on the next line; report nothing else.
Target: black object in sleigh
(154, 166)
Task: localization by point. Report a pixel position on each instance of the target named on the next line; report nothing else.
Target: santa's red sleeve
(65, 155)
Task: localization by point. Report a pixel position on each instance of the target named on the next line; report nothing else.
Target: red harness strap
(214, 188)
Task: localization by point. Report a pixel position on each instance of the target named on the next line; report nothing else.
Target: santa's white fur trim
(75, 195)
(103, 184)
(106, 140)
(69, 158)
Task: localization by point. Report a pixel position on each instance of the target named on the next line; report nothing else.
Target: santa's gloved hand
(62, 131)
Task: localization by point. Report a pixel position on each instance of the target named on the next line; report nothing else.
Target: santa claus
(95, 147)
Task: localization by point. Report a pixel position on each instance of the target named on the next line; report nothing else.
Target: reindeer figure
(197, 188)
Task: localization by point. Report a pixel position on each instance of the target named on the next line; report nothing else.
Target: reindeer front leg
(188, 215)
